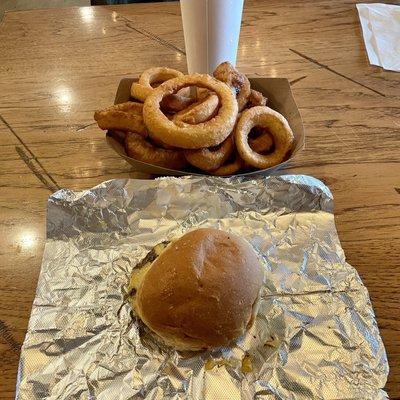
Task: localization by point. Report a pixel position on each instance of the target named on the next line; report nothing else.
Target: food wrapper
(380, 25)
(280, 98)
(315, 335)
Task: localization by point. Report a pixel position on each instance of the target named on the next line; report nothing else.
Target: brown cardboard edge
(283, 103)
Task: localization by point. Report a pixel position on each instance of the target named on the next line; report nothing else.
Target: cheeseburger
(199, 291)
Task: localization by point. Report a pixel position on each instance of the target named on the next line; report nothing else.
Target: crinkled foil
(315, 336)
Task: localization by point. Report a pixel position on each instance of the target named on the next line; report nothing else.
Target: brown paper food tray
(280, 98)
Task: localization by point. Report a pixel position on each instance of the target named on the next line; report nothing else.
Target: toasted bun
(202, 290)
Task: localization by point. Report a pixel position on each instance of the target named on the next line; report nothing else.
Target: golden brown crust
(140, 92)
(142, 89)
(202, 290)
(211, 158)
(159, 143)
(181, 134)
(175, 102)
(140, 149)
(278, 128)
(231, 167)
(124, 116)
(226, 72)
(157, 74)
(256, 98)
(200, 111)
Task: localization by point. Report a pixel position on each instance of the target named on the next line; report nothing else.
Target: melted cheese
(247, 366)
(138, 274)
(211, 363)
(159, 248)
(272, 342)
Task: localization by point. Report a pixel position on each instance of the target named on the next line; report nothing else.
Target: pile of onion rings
(222, 128)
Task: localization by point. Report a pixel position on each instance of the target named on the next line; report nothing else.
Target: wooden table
(58, 66)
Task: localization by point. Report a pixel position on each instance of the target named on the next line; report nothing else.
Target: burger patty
(142, 267)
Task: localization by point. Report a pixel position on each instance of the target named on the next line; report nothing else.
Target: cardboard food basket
(280, 98)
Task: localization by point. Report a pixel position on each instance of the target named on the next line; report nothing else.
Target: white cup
(211, 29)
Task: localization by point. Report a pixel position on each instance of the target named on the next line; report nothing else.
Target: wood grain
(58, 66)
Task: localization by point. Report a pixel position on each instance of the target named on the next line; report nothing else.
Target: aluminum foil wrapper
(315, 336)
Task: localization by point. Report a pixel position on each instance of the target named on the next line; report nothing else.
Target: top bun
(202, 290)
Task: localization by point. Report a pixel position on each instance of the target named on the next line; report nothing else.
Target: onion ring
(230, 168)
(140, 149)
(181, 134)
(172, 103)
(202, 94)
(141, 89)
(256, 99)
(124, 117)
(200, 111)
(140, 92)
(279, 129)
(225, 72)
(157, 74)
(211, 158)
(159, 143)
(262, 143)
(119, 136)
(175, 102)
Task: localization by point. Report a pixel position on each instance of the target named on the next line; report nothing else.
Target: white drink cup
(211, 29)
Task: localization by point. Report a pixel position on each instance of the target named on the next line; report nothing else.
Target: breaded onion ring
(278, 128)
(141, 89)
(225, 72)
(140, 92)
(230, 168)
(176, 102)
(172, 103)
(124, 116)
(119, 136)
(159, 143)
(202, 93)
(140, 149)
(198, 112)
(262, 143)
(211, 158)
(181, 134)
(157, 74)
(256, 99)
